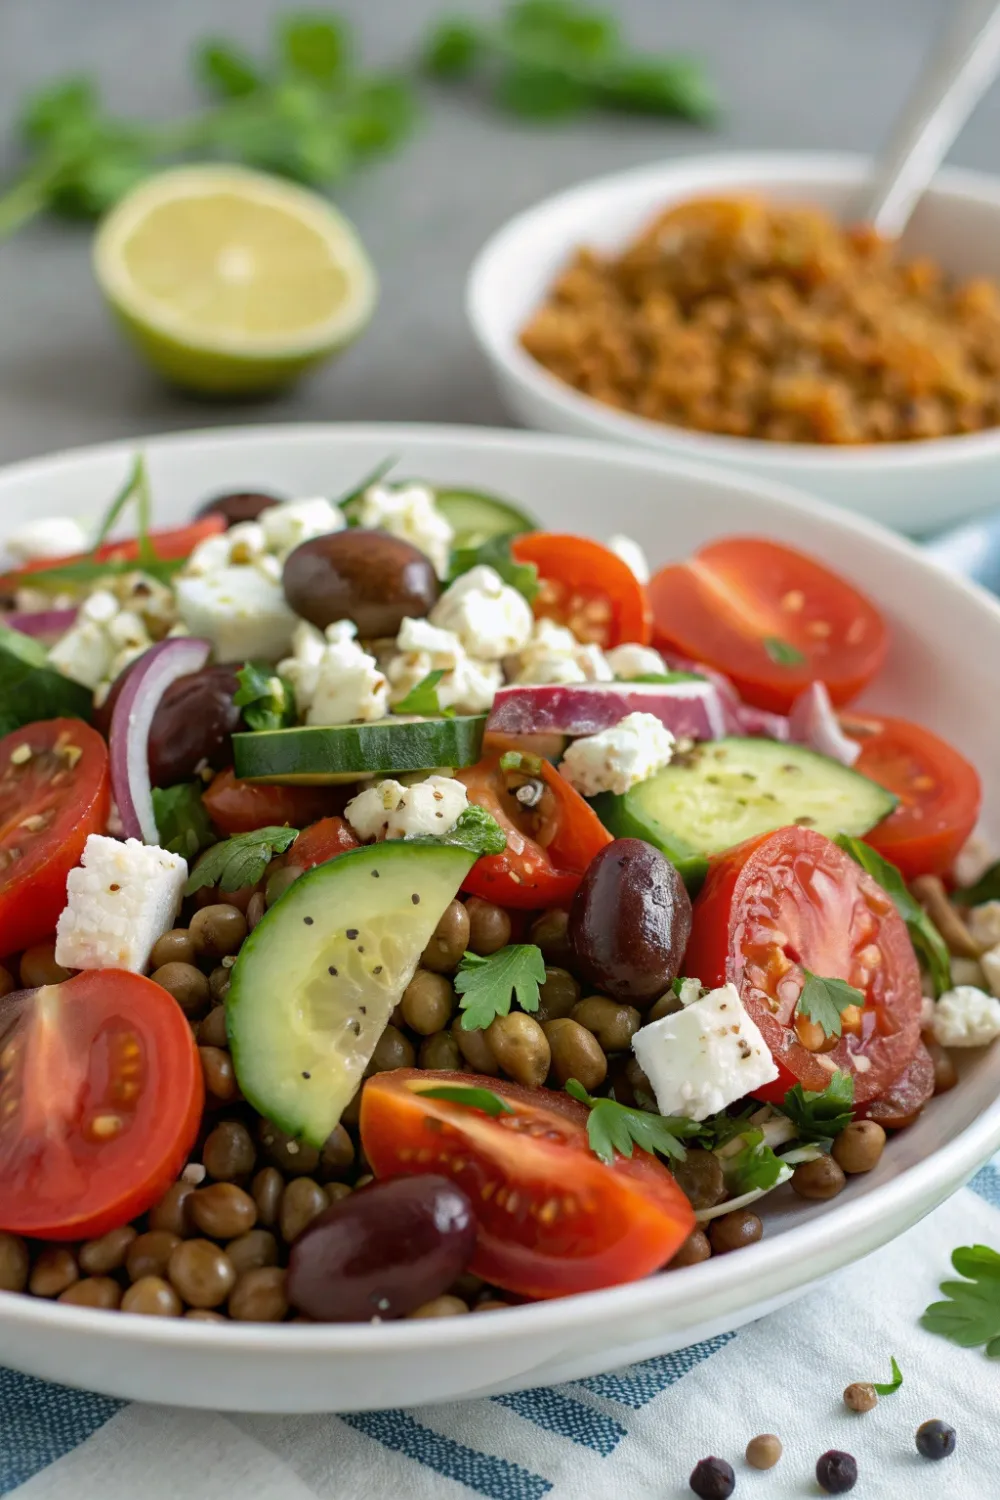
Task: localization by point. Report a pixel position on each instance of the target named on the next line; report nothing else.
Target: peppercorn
(935, 1439)
(836, 1472)
(764, 1451)
(861, 1396)
(713, 1479)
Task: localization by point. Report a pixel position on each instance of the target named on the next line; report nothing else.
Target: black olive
(241, 506)
(369, 577)
(630, 922)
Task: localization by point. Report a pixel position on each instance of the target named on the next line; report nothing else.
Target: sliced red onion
(813, 722)
(43, 624)
(758, 722)
(690, 710)
(131, 721)
(740, 718)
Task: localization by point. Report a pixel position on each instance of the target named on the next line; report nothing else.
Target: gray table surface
(822, 74)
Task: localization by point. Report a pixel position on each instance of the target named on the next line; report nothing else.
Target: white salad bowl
(913, 486)
(941, 670)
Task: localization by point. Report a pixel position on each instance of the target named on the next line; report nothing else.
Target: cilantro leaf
(986, 888)
(476, 830)
(971, 1316)
(823, 1000)
(267, 700)
(783, 653)
(182, 823)
(889, 1386)
(820, 1115)
(487, 985)
(423, 698)
(923, 934)
(495, 553)
(615, 1127)
(240, 861)
(456, 1093)
(756, 1167)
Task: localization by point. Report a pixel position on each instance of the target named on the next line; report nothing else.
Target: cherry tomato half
(242, 806)
(790, 901)
(939, 793)
(106, 1086)
(587, 587)
(552, 834)
(904, 1098)
(553, 1219)
(54, 793)
(774, 620)
(170, 544)
(320, 842)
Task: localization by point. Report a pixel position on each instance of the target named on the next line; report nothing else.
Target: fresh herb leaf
(267, 700)
(783, 653)
(521, 760)
(755, 1168)
(314, 46)
(718, 1130)
(350, 502)
(615, 1127)
(923, 934)
(484, 1099)
(423, 698)
(971, 1316)
(452, 49)
(986, 888)
(684, 989)
(226, 71)
(240, 861)
(476, 830)
(667, 677)
(129, 491)
(495, 553)
(183, 825)
(487, 985)
(823, 1000)
(85, 571)
(821, 1115)
(890, 1385)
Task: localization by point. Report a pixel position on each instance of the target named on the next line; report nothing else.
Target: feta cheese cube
(47, 537)
(989, 962)
(288, 525)
(240, 611)
(100, 607)
(209, 556)
(984, 924)
(618, 759)
(630, 660)
(393, 811)
(119, 901)
(490, 619)
(966, 1017)
(410, 511)
(705, 1056)
(631, 555)
(84, 654)
(335, 680)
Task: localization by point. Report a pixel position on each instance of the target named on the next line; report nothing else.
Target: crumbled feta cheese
(148, 598)
(393, 811)
(989, 962)
(554, 655)
(119, 901)
(47, 537)
(410, 511)
(100, 608)
(631, 660)
(84, 654)
(491, 619)
(469, 686)
(288, 525)
(335, 680)
(966, 1017)
(239, 610)
(705, 1056)
(983, 923)
(631, 555)
(972, 861)
(618, 759)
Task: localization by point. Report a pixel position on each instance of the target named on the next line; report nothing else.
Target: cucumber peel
(321, 754)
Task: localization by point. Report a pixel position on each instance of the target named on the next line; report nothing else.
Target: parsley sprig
(423, 699)
(182, 823)
(491, 1104)
(819, 1115)
(496, 553)
(240, 861)
(923, 934)
(755, 1168)
(971, 1315)
(486, 986)
(824, 1001)
(615, 1127)
(267, 700)
(782, 652)
(476, 830)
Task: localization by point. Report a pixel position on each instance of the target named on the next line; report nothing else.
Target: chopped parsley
(496, 553)
(820, 1115)
(971, 1315)
(240, 861)
(476, 830)
(783, 653)
(422, 699)
(756, 1168)
(491, 1104)
(182, 823)
(923, 934)
(825, 1000)
(267, 700)
(615, 1127)
(486, 986)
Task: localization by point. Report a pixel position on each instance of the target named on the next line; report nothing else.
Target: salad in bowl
(406, 911)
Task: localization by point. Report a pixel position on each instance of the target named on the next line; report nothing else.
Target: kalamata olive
(630, 922)
(369, 577)
(192, 723)
(242, 506)
(383, 1252)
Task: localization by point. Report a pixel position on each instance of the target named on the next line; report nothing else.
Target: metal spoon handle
(958, 73)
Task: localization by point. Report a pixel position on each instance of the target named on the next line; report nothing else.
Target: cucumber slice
(476, 517)
(326, 754)
(317, 980)
(725, 791)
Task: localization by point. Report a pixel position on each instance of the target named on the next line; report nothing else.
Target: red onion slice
(690, 710)
(740, 718)
(128, 740)
(43, 624)
(813, 722)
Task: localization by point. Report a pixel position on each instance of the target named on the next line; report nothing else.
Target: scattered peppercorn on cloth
(637, 1432)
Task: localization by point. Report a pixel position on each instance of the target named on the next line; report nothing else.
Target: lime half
(233, 281)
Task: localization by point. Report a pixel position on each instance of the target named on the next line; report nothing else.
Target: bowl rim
(790, 1255)
(716, 170)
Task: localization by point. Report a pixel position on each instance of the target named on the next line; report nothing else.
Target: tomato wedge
(54, 793)
(242, 806)
(773, 619)
(939, 793)
(551, 838)
(587, 587)
(170, 544)
(100, 1100)
(905, 1096)
(320, 842)
(791, 901)
(553, 1219)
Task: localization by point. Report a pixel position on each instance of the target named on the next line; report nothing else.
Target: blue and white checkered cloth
(636, 1433)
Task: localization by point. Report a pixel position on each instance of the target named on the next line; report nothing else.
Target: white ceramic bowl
(913, 486)
(670, 507)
